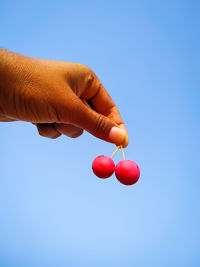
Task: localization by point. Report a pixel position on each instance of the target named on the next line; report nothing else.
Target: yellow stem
(115, 151)
(122, 152)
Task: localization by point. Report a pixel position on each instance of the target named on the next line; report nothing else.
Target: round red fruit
(103, 166)
(127, 172)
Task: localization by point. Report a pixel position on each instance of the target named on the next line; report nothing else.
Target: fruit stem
(122, 152)
(115, 151)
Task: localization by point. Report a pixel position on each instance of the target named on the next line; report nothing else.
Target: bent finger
(47, 130)
(97, 96)
(69, 130)
(99, 125)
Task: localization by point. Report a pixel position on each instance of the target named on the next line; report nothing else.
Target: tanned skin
(58, 97)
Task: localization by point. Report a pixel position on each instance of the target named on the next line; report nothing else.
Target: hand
(58, 97)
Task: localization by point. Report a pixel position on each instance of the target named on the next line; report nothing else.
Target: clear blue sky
(53, 210)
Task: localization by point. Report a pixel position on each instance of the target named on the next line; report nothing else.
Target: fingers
(47, 130)
(99, 125)
(55, 130)
(103, 104)
(69, 130)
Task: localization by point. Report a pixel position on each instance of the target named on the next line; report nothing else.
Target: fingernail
(125, 143)
(117, 135)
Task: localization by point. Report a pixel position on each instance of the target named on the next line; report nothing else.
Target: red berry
(103, 166)
(127, 172)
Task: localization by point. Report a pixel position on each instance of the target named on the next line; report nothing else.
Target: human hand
(58, 97)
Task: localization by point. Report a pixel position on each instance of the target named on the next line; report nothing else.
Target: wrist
(8, 78)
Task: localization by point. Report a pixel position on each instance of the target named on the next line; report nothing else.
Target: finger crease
(97, 92)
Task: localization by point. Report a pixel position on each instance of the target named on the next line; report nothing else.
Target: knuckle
(89, 81)
(47, 131)
(90, 75)
(84, 69)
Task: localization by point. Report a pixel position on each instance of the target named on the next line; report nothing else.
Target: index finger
(97, 96)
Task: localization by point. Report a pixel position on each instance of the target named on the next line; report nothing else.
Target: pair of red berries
(126, 171)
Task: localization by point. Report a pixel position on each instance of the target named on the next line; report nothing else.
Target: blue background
(53, 210)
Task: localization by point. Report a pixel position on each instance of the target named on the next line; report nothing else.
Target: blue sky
(54, 211)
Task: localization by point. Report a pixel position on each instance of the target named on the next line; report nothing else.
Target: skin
(58, 97)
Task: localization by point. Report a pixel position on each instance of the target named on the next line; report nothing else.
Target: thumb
(101, 126)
